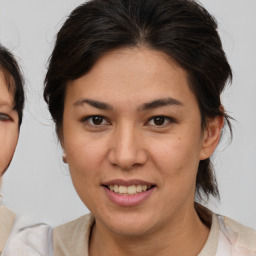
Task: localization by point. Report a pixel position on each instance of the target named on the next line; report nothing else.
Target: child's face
(9, 127)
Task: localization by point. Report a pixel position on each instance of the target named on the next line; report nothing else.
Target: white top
(226, 238)
(32, 241)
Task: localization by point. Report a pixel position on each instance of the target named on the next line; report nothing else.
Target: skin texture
(9, 128)
(128, 144)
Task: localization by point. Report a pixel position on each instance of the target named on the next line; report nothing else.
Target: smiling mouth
(129, 190)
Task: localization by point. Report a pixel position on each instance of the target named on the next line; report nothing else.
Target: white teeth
(131, 190)
(123, 189)
(144, 188)
(128, 190)
(139, 189)
(116, 188)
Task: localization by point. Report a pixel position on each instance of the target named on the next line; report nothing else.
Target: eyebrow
(94, 103)
(146, 106)
(160, 103)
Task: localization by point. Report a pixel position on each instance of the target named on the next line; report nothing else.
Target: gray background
(37, 185)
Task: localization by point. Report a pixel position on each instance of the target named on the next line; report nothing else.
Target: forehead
(6, 90)
(134, 73)
(137, 62)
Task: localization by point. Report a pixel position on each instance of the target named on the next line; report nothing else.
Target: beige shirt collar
(211, 245)
(73, 238)
(6, 222)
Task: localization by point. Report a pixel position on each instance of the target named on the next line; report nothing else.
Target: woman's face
(9, 128)
(133, 139)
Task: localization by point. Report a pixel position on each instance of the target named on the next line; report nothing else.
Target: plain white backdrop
(37, 184)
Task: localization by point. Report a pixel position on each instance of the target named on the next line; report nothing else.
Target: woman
(134, 87)
(11, 107)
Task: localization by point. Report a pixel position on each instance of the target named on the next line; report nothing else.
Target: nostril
(124, 161)
(127, 160)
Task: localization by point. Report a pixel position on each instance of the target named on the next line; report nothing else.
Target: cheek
(85, 165)
(85, 157)
(176, 153)
(8, 138)
(84, 150)
(177, 157)
(177, 163)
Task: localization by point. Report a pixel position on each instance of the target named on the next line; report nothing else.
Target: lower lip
(128, 200)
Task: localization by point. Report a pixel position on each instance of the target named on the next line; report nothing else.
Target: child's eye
(96, 120)
(160, 121)
(4, 117)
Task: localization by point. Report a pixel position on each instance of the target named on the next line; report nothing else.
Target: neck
(184, 235)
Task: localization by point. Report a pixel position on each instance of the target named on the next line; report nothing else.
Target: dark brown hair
(14, 79)
(182, 29)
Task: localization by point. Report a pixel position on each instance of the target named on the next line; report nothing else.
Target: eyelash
(4, 117)
(167, 120)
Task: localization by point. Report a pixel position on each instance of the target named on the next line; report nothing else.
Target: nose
(127, 149)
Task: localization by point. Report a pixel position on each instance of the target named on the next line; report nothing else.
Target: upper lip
(121, 182)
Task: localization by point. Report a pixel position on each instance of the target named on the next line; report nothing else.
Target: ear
(64, 158)
(64, 155)
(211, 136)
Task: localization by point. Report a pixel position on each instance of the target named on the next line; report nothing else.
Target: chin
(129, 224)
(131, 230)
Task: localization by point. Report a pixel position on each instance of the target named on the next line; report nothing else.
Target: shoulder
(35, 240)
(77, 225)
(241, 238)
(73, 237)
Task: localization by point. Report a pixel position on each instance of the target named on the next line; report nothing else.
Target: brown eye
(96, 120)
(159, 120)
